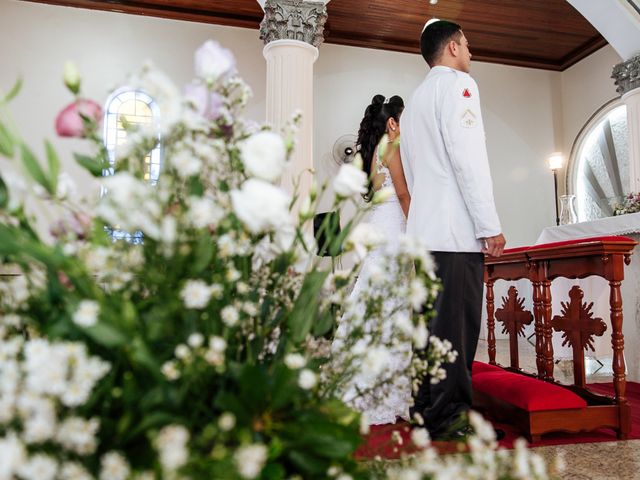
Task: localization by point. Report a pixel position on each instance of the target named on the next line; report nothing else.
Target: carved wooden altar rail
(541, 264)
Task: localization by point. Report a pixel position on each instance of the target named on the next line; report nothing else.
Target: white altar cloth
(596, 290)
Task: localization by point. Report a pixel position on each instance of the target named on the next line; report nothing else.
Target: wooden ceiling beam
(549, 35)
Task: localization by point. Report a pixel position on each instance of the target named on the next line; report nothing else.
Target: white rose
(350, 181)
(195, 340)
(217, 344)
(307, 379)
(229, 316)
(12, 455)
(186, 164)
(87, 313)
(382, 195)
(204, 212)
(420, 335)
(227, 421)
(182, 351)
(39, 467)
(250, 460)
(195, 294)
(66, 187)
(171, 442)
(170, 371)
(261, 206)
(78, 435)
(420, 437)
(417, 294)
(264, 156)
(363, 238)
(213, 62)
(113, 466)
(294, 361)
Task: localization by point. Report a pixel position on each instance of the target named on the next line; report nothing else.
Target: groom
(452, 209)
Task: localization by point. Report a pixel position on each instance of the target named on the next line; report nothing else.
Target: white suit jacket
(445, 162)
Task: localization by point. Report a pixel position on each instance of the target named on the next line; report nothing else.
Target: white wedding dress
(394, 399)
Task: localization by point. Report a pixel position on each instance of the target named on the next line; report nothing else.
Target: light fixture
(555, 162)
(433, 2)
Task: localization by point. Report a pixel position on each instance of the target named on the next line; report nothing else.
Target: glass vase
(568, 213)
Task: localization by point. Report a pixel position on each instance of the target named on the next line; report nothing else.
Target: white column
(292, 32)
(290, 90)
(627, 78)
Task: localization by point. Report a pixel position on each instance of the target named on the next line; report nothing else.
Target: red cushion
(525, 392)
(481, 367)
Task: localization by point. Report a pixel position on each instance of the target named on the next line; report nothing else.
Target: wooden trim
(167, 12)
(397, 42)
(583, 51)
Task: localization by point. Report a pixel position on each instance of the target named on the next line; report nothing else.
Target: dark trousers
(458, 317)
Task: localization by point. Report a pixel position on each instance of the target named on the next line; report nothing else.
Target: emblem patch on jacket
(466, 93)
(468, 119)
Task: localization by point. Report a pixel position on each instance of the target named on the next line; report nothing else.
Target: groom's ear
(453, 48)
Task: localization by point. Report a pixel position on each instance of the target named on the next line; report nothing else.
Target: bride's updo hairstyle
(373, 127)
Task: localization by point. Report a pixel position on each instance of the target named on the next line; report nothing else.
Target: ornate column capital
(627, 75)
(294, 20)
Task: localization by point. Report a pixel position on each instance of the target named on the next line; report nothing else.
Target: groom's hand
(494, 245)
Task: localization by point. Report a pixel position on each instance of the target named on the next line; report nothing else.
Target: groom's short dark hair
(435, 36)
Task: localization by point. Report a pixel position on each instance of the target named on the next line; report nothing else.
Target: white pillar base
(290, 90)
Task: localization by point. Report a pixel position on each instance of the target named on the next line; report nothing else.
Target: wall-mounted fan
(344, 150)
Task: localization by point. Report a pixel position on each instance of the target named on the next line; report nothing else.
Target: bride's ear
(392, 124)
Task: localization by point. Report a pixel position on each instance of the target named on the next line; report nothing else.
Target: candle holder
(555, 162)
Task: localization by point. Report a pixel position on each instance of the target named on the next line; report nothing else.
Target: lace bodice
(382, 169)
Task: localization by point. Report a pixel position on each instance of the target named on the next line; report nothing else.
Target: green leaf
(106, 335)
(304, 312)
(142, 355)
(54, 165)
(34, 169)
(4, 194)
(95, 166)
(273, 471)
(324, 323)
(6, 142)
(153, 420)
(13, 92)
(203, 253)
(284, 387)
(309, 464)
(254, 389)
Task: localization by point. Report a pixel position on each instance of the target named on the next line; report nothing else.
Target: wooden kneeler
(536, 403)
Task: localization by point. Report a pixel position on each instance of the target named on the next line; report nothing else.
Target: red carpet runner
(379, 441)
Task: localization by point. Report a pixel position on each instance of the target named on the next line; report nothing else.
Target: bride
(377, 143)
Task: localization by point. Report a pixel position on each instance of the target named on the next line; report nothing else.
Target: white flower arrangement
(198, 352)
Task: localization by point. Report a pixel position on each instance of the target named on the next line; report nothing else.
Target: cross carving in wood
(514, 318)
(578, 329)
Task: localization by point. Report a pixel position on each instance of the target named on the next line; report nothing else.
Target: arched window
(137, 108)
(599, 163)
(131, 107)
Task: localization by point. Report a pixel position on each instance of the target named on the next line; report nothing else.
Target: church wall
(585, 87)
